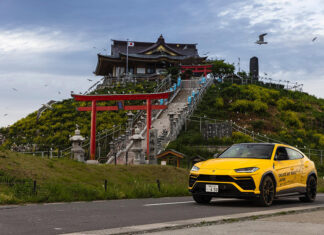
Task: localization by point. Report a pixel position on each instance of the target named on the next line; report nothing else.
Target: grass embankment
(291, 117)
(68, 180)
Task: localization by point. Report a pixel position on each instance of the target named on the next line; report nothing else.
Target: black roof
(120, 46)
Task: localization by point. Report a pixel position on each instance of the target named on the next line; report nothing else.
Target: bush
(291, 119)
(243, 106)
(258, 124)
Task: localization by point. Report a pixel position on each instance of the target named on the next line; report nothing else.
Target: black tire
(311, 190)
(202, 199)
(267, 191)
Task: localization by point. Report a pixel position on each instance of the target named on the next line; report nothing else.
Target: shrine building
(146, 58)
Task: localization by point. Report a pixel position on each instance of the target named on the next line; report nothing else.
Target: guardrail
(257, 137)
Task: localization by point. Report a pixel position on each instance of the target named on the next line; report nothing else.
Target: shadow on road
(245, 203)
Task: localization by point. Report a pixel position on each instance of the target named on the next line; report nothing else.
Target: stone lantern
(77, 150)
(130, 119)
(171, 118)
(137, 149)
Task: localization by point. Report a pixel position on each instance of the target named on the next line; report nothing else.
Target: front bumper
(236, 187)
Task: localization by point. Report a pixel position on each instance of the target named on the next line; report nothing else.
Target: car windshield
(259, 151)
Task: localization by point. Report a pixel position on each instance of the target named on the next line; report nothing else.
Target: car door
(297, 163)
(282, 167)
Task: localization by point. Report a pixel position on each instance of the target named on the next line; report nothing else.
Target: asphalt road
(58, 218)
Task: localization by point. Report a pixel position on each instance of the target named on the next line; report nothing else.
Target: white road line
(168, 203)
(174, 203)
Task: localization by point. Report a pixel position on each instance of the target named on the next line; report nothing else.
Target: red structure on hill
(119, 97)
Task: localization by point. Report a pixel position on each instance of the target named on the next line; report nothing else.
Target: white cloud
(33, 90)
(287, 22)
(41, 40)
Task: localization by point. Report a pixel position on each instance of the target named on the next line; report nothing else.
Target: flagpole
(127, 59)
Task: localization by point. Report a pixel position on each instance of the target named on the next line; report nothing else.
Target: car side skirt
(291, 192)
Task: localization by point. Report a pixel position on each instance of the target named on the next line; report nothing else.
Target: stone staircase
(167, 127)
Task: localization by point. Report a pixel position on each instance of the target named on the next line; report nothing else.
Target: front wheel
(202, 199)
(267, 192)
(311, 189)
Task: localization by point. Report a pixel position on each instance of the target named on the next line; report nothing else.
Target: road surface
(58, 218)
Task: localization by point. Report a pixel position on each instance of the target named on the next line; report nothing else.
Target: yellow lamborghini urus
(261, 171)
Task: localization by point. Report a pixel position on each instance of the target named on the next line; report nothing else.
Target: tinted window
(260, 151)
(293, 154)
(282, 152)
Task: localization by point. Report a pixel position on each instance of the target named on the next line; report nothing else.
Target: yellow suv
(263, 171)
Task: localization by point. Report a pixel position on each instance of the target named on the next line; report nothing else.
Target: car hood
(232, 163)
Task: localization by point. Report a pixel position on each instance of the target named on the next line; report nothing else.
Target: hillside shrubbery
(54, 126)
(292, 117)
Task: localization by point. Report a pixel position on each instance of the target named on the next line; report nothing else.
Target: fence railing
(257, 137)
(186, 112)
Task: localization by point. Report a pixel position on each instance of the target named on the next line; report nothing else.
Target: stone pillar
(137, 149)
(77, 150)
(153, 146)
(171, 117)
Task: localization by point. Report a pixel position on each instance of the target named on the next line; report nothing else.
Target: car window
(283, 154)
(259, 151)
(293, 154)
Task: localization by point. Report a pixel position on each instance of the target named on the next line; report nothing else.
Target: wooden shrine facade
(146, 57)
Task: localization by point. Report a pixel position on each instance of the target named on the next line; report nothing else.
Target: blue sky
(47, 47)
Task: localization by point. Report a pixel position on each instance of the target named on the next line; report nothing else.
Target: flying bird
(261, 39)
(313, 40)
(89, 80)
(5, 114)
(14, 89)
(48, 105)
(59, 92)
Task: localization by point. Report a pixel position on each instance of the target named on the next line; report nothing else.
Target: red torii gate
(197, 68)
(119, 97)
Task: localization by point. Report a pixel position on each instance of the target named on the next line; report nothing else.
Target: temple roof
(119, 46)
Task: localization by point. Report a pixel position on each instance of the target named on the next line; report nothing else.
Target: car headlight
(247, 170)
(195, 168)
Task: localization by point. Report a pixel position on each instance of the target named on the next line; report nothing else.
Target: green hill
(54, 126)
(292, 117)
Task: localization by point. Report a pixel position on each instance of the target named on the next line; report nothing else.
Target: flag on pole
(130, 44)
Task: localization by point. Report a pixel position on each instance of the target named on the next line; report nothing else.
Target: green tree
(220, 68)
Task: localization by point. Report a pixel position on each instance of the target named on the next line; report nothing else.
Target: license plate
(212, 188)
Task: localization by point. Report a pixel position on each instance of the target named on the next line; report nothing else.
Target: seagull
(89, 80)
(313, 40)
(14, 89)
(45, 85)
(261, 39)
(59, 92)
(5, 114)
(48, 105)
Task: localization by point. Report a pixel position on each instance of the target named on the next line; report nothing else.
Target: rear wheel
(311, 189)
(203, 199)
(267, 191)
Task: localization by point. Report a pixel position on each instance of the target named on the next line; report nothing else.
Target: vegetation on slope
(292, 117)
(68, 180)
(54, 126)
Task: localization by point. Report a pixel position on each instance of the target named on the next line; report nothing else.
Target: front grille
(223, 178)
(246, 183)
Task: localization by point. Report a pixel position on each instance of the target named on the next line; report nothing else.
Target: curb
(180, 224)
